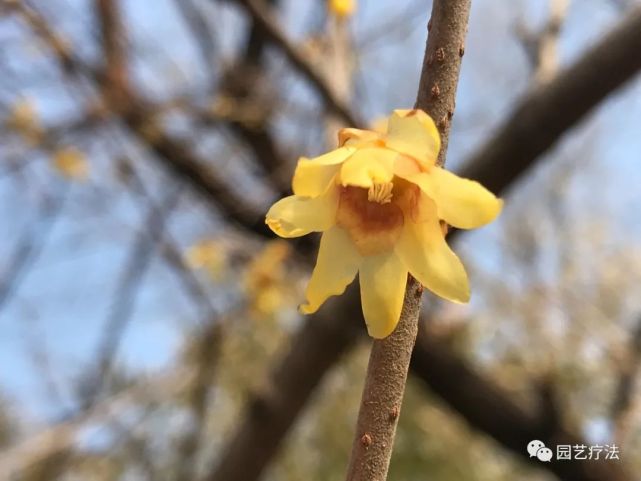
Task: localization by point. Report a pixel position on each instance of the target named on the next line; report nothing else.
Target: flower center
(380, 193)
(374, 226)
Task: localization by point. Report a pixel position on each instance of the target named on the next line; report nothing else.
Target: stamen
(380, 193)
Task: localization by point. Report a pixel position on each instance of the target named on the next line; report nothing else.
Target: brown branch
(244, 84)
(172, 152)
(60, 47)
(113, 37)
(390, 357)
(550, 110)
(441, 65)
(383, 394)
(263, 19)
(179, 158)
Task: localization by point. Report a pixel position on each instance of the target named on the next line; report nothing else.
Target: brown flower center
(374, 217)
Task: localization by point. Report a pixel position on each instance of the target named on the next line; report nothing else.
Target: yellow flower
(342, 8)
(71, 163)
(23, 118)
(208, 254)
(378, 199)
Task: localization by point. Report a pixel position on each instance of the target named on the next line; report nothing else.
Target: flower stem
(390, 357)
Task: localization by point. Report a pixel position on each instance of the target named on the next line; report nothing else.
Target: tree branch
(489, 408)
(263, 20)
(172, 152)
(547, 112)
(390, 357)
(113, 37)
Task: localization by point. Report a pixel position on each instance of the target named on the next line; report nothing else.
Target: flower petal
(368, 166)
(423, 250)
(351, 136)
(383, 279)
(296, 215)
(312, 176)
(414, 133)
(463, 203)
(336, 267)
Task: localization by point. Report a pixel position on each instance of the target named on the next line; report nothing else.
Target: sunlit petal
(368, 166)
(414, 133)
(336, 267)
(460, 202)
(382, 280)
(355, 137)
(312, 176)
(295, 215)
(342, 8)
(423, 250)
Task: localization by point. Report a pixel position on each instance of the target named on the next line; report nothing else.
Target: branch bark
(112, 35)
(390, 357)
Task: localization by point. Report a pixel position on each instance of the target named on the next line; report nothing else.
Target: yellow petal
(336, 267)
(351, 136)
(368, 166)
(423, 250)
(295, 215)
(312, 176)
(414, 133)
(380, 125)
(342, 8)
(382, 279)
(460, 202)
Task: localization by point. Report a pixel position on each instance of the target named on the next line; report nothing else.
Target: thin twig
(140, 257)
(31, 244)
(115, 81)
(171, 151)
(263, 19)
(542, 47)
(390, 357)
(200, 29)
(61, 436)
